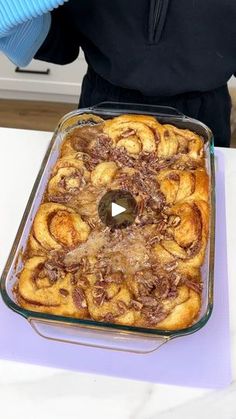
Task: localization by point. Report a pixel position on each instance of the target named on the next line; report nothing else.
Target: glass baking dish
(89, 332)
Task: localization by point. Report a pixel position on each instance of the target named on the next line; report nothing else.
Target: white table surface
(35, 392)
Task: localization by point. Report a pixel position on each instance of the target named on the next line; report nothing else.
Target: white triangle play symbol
(116, 209)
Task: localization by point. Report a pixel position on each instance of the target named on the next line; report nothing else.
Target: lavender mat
(199, 360)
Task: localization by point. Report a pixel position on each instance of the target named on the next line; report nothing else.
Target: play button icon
(117, 209)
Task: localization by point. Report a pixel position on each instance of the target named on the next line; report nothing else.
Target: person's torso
(159, 47)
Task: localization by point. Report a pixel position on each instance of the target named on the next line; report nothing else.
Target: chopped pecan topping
(176, 279)
(122, 307)
(121, 156)
(156, 284)
(101, 150)
(171, 266)
(99, 293)
(146, 282)
(116, 277)
(194, 249)
(193, 284)
(53, 272)
(91, 224)
(63, 292)
(154, 315)
(109, 318)
(188, 164)
(174, 221)
(153, 240)
(174, 176)
(74, 280)
(137, 305)
(148, 301)
(72, 268)
(162, 287)
(197, 287)
(79, 298)
(60, 199)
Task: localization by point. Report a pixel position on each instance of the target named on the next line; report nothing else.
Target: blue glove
(25, 40)
(24, 25)
(14, 12)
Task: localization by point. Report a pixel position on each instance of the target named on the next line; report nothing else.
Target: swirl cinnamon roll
(166, 299)
(184, 234)
(173, 141)
(179, 185)
(109, 299)
(44, 286)
(188, 142)
(83, 137)
(57, 226)
(133, 132)
(68, 178)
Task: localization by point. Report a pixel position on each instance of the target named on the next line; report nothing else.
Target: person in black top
(179, 53)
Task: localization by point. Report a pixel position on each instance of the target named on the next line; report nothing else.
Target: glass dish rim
(116, 109)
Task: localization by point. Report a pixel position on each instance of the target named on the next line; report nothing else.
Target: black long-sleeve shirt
(158, 47)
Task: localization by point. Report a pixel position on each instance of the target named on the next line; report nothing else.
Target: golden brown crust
(187, 141)
(147, 275)
(183, 314)
(56, 225)
(82, 137)
(134, 133)
(103, 173)
(40, 292)
(189, 231)
(117, 298)
(68, 178)
(179, 185)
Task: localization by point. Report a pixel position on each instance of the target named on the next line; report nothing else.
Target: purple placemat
(199, 360)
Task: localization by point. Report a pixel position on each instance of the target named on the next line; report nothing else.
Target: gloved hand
(14, 12)
(24, 25)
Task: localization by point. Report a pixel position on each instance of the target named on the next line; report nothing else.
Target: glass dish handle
(115, 340)
(138, 108)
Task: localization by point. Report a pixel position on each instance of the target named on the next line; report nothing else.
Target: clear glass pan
(88, 332)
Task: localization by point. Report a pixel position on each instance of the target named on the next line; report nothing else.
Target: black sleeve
(62, 43)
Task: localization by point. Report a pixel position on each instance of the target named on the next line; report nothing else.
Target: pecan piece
(63, 292)
(79, 298)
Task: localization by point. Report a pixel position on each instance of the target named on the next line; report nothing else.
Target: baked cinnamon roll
(57, 226)
(166, 298)
(83, 137)
(145, 275)
(136, 133)
(179, 185)
(103, 173)
(184, 234)
(109, 299)
(45, 287)
(68, 178)
(188, 142)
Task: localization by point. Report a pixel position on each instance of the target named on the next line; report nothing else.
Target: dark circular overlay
(125, 200)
